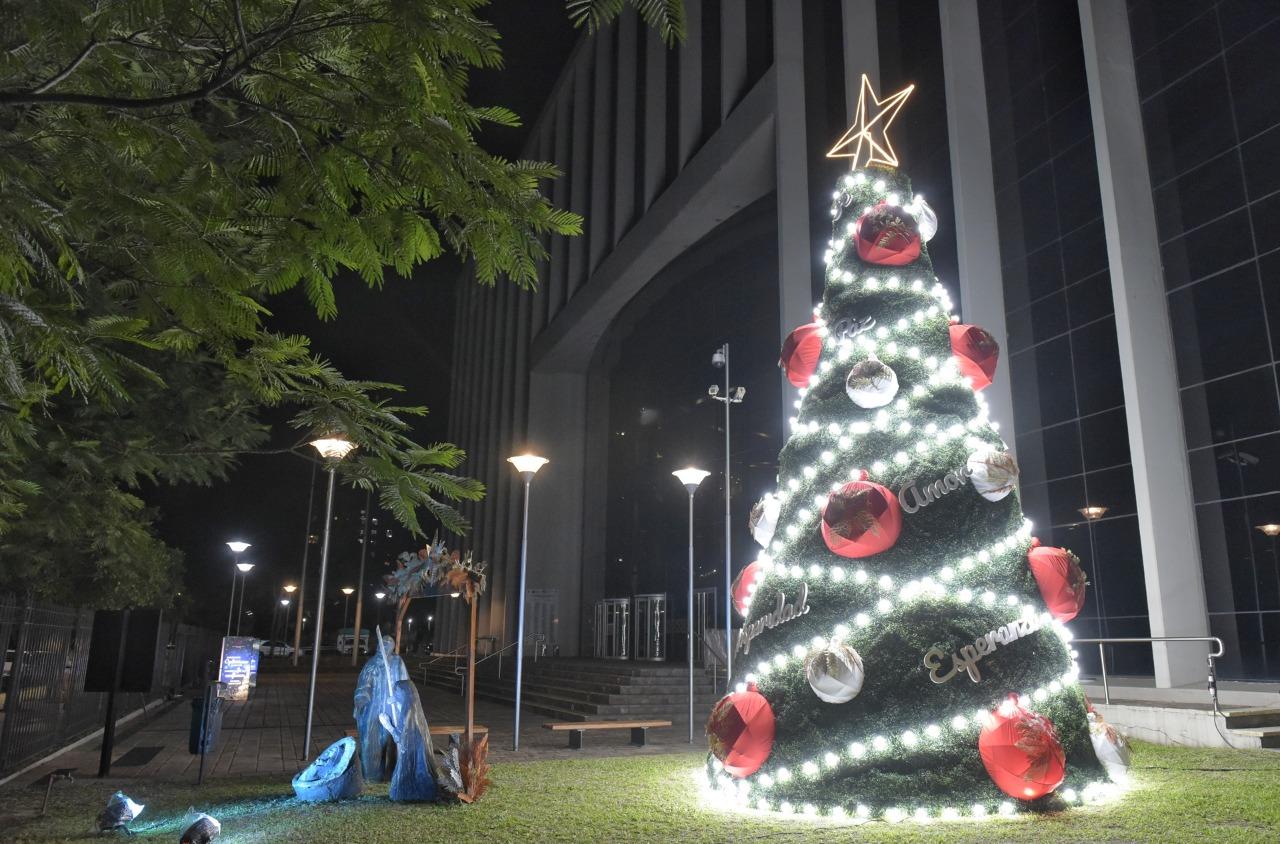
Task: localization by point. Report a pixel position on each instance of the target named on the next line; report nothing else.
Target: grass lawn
(1178, 794)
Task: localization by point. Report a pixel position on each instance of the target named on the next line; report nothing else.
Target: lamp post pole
(237, 548)
(332, 448)
(244, 568)
(302, 582)
(732, 396)
(690, 478)
(528, 466)
(364, 553)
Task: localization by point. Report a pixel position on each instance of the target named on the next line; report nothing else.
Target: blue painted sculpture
(416, 772)
(335, 775)
(373, 691)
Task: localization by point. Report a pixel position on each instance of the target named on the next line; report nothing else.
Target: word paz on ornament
(970, 655)
(782, 613)
(949, 482)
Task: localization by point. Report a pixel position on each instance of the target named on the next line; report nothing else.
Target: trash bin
(211, 727)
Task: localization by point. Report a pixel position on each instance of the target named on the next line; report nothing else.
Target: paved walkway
(264, 735)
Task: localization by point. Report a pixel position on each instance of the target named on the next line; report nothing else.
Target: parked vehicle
(276, 648)
(345, 637)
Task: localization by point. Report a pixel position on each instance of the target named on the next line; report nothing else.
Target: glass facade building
(704, 170)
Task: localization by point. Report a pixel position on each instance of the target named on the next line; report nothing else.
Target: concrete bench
(639, 729)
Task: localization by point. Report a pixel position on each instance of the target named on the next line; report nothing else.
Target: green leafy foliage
(666, 16)
(166, 166)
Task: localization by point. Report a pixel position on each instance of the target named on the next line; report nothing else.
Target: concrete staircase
(1262, 723)
(587, 689)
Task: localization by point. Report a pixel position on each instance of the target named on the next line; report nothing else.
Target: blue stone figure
(373, 692)
(416, 772)
(335, 775)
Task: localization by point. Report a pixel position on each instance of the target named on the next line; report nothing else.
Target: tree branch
(69, 69)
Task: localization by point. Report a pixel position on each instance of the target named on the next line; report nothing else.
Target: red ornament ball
(1061, 580)
(861, 519)
(744, 586)
(1021, 751)
(740, 731)
(800, 353)
(887, 235)
(977, 351)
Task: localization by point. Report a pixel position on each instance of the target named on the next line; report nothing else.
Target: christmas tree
(902, 653)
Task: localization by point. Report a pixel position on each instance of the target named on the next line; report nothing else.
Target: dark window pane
(1089, 300)
(1255, 78)
(1243, 467)
(1226, 552)
(1066, 497)
(1106, 439)
(1113, 489)
(1185, 122)
(1231, 408)
(1200, 195)
(1241, 634)
(1218, 326)
(1062, 450)
(1118, 563)
(1208, 249)
(1097, 367)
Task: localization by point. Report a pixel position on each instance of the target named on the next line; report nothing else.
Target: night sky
(402, 333)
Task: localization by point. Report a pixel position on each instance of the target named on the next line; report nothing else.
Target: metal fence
(43, 705)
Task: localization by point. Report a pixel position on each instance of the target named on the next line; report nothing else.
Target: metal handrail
(1139, 640)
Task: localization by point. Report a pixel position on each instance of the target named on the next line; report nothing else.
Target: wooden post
(471, 674)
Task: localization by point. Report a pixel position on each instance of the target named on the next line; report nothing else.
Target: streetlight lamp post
(364, 553)
(732, 396)
(527, 465)
(306, 555)
(284, 602)
(237, 548)
(691, 478)
(332, 447)
(346, 606)
(244, 568)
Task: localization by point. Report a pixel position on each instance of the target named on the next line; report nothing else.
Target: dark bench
(639, 729)
(437, 730)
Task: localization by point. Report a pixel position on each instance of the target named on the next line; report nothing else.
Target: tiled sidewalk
(263, 736)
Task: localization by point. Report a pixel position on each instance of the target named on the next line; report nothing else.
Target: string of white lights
(919, 738)
(945, 574)
(722, 791)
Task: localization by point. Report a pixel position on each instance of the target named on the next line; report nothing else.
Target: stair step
(1253, 718)
(1269, 736)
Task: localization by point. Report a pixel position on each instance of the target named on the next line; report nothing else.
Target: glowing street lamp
(290, 588)
(691, 477)
(332, 448)
(527, 465)
(237, 548)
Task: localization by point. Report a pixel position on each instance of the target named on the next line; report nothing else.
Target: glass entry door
(613, 628)
(651, 627)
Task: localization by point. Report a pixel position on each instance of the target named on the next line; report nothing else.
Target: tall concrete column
(689, 132)
(1166, 515)
(795, 263)
(974, 193)
(861, 49)
(733, 54)
(557, 431)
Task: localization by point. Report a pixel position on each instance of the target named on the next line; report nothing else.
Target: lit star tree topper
(867, 140)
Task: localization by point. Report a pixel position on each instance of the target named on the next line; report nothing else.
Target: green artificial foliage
(935, 597)
(168, 166)
(666, 16)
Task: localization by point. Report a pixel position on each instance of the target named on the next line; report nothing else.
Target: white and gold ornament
(993, 473)
(926, 219)
(1111, 748)
(835, 673)
(764, 519)
(871, 383)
